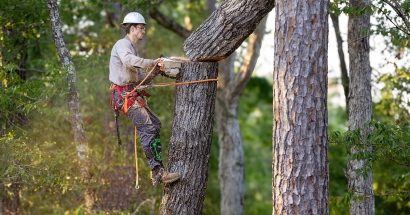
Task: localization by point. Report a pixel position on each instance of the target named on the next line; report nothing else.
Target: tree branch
(248, 64)
(397, 8)
(168, 23)
(225, 29)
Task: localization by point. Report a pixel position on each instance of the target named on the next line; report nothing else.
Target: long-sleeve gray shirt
(126, 65)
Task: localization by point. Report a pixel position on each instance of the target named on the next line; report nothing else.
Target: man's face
(138, 31)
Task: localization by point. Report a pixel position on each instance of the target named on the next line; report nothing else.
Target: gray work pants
(148, 127)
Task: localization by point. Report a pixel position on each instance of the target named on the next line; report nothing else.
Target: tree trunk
(300, 146)
(360, 104)
(190, 143)
(225, 30)
(11, 204)
(343, 67)
(73, 102)
(231, 169)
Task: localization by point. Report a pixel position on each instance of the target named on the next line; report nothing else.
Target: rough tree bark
(76, 121)
(231, 169)
(360, 104)
(300, 145)
(250, 15)
(225, 30)
(190, 143)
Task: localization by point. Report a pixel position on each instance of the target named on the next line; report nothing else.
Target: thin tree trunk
(343, 67)
(190, 144)
(77, 124)
(300, 146)
(231, 169)
(11, 204)
(360, 105)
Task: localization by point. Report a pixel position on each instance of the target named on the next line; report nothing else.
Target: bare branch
(169, 23)
(248, 64)
(399, 10)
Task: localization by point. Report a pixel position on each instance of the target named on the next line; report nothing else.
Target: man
(125, 74)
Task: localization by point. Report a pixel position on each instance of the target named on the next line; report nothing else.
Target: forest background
(38, 163)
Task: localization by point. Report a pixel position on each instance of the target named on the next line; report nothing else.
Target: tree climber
(126, 72)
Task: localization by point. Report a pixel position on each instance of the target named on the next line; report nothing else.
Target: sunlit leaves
(389, 20)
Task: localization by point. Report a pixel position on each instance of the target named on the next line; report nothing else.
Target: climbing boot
(158, 175)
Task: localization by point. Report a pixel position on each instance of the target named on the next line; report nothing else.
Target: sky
(264, 66)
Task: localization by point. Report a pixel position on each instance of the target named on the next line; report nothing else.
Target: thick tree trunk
(300, 145)
(231, 169)
(190, 144)
(360, 105)
(73, 102)
(225, 30)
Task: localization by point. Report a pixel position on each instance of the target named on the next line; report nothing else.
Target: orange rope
(162, 68)
(178, 83)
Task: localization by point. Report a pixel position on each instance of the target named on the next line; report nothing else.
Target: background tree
(334, 15)
(231, 168)
(360, 105)
(77, 124)
(300, 163)
(390, 21)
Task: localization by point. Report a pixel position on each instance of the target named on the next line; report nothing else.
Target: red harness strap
(127, 96)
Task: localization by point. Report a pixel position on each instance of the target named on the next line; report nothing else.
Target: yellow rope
(136, 158)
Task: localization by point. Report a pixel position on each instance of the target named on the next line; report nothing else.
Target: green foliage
(255, 117)
(395, 102)
(390, 145)
(20, 97)
(389, 17)
(43, 167)
(41, 155)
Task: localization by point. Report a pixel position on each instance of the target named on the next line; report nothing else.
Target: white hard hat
(133, 17)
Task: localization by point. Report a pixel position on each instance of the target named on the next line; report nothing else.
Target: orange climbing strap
(177, 83)
(161, 68)
(139, 88)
